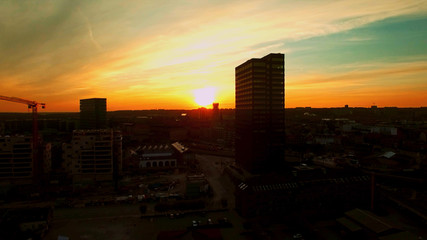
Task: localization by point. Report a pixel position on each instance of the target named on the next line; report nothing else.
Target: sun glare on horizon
(204, 97)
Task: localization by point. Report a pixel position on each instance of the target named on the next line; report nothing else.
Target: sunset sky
(159, 54)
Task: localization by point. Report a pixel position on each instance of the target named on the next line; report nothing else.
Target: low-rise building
(156, 156)
(161, 156)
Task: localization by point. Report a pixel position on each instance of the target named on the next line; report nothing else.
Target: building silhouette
(93, 155)
(215, 112)
(260, 120)
(93, 113)
(17, 164)
(16, 156)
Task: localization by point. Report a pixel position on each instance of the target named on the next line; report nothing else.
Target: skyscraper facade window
(260, 119)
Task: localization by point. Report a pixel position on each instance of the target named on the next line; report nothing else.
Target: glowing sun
(204, 96)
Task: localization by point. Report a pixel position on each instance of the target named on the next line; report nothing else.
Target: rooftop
(368, 220)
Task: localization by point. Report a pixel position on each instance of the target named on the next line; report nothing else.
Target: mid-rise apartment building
(16, 157)
(93, 154)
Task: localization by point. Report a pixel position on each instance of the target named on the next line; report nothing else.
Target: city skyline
(158, 55)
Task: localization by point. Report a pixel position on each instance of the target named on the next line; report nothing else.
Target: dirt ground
(124, 222)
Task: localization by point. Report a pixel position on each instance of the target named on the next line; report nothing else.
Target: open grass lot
(124, 222)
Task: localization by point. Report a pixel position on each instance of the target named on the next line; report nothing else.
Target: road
(223, 188)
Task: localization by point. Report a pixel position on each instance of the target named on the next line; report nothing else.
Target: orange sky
(149, 55)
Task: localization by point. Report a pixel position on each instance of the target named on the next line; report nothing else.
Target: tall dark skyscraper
(260, 117)
(93, 113)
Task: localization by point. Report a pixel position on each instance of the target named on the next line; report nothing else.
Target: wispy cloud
(89, 28)
(359, 39)
(363, 75)
(391, 84)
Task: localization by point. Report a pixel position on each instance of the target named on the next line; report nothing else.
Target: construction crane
(33, 105)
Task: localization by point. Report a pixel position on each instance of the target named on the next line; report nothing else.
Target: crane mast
(33, 105)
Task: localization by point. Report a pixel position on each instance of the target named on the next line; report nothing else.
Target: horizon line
(164, 109)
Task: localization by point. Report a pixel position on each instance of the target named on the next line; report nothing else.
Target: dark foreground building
(314, 195)
(260, 120)
(93, 113)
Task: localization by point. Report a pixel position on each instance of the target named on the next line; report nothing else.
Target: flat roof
(179, 147)
(350, 225)
(93, 99)
(399, 236)
(260, 59)
(368, 220)
(388, 154)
